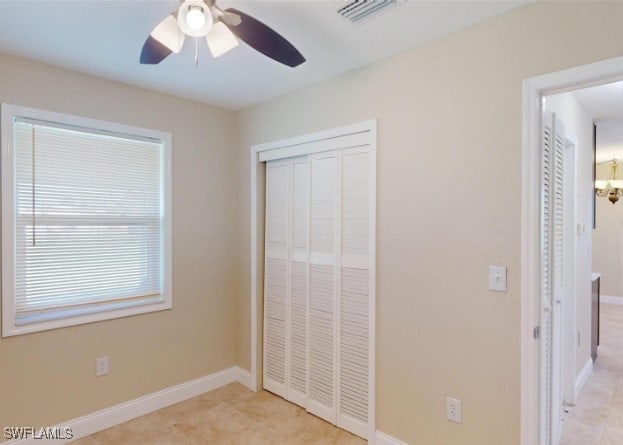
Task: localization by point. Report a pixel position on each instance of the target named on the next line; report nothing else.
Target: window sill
(76, 316)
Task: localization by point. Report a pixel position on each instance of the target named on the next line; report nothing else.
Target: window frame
(72, 315)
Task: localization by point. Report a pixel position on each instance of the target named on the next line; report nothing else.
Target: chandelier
(611, 188)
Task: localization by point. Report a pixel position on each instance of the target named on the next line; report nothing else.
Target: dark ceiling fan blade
(265, 40)
(153, 52)
(162, 41)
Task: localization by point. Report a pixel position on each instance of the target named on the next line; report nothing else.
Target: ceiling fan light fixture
(194, 18)
(168, 33)
(221, 39)
(197, 18)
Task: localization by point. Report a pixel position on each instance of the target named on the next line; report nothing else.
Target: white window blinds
(88, 221)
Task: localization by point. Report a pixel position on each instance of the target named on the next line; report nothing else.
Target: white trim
(308, 138)
(583, 376)
(569, 325)
(319, 146)
(583, 76)
(259, 153)
(244, 377)
(385, 439)
(337, 291)
(8, 114)
(530, 265)
(254, 165)
(533, 90)
(123, 412)
(610, 299)
(372, 288)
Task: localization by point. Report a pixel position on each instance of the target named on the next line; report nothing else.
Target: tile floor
(229, 415)
(234, 415)
(597, 418)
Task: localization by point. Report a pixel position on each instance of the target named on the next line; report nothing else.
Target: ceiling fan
(221, 29)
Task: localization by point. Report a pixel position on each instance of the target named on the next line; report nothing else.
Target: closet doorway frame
(296, 146)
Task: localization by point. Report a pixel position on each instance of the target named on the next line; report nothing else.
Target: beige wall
(449, 205)
(49, 377)
(608, 241)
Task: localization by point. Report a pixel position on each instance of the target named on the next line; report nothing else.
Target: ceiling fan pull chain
(196, 52)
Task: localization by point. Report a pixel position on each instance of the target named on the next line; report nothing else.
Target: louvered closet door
(557, 277)
(276, 276)
(319, 279)
(546, 294)
(299, 282)
(553, 146)
(323, 244)
(355, 289)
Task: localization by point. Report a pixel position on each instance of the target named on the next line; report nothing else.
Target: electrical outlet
(101, 366)
(453, 409)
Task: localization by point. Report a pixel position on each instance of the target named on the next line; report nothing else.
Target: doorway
(554, 366)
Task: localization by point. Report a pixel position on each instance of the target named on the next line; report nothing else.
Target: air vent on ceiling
(357, 10)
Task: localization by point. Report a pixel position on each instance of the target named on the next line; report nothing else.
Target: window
(86, 231)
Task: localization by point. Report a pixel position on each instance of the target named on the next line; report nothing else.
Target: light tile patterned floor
(597, 419)
(230, 415)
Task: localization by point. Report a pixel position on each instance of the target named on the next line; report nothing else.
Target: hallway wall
(608, 241)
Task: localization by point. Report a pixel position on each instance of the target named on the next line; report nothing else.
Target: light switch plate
(497, 278)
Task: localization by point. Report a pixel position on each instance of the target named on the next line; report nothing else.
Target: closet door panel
(354, 366)
(299, 285)
(322, 286)
(276, 282)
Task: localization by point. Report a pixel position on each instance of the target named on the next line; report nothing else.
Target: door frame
(257, 198)
(534, 89)
(569, 325)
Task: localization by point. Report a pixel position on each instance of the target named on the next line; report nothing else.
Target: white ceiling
(604, 104)
(105, 37)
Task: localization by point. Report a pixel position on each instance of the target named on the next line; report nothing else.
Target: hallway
(597, 419)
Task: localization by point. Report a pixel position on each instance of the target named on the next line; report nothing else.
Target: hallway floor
(597, 418)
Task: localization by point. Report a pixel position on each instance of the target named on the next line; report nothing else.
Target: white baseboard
(610, 299)
(123, 412)
(583, 377)
(109, 417)
(245, 378)
(380, 438)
